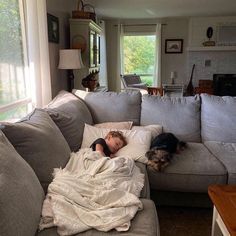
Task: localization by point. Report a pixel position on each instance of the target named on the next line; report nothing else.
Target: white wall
(176, 28)
(221, 62)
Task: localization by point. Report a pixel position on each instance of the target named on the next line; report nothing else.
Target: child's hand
(112, 155)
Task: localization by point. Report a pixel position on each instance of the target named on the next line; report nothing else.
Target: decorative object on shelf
(79, 42)
(209, 34)
(190, 88)
(70, 59)
(90, 82)
(84, 11)
(53, 28)
(172, 76)
(174, 46)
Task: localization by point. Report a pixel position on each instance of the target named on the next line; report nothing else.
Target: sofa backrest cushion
(112, 106)
(21, 194)
(70, 113)
(39, 141)
(218, 118)
(181, 115)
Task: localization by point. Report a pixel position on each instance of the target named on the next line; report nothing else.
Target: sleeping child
(112, 143)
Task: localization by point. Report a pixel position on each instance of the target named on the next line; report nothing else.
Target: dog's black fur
(162, 149)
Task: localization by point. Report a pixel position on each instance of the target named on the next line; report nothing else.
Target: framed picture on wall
(174, 46)
(53, 28)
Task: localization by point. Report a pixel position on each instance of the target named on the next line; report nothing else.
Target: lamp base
(71, 80)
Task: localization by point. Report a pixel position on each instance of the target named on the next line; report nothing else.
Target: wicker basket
(84, 11)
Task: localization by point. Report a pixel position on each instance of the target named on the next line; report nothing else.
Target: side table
(224, 212)
(173, 90)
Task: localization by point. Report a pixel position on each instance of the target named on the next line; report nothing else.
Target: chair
(133, 81)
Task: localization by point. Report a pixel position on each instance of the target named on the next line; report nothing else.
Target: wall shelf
(211, 48)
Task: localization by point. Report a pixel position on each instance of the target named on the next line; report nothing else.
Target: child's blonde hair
(117, 134)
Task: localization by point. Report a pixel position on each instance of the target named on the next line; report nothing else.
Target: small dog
(162, 149)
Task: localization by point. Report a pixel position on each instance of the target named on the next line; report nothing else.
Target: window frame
(27, 100)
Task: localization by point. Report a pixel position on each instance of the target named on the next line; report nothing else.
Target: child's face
(114, 144)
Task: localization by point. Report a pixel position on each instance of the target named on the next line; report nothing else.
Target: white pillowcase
(138, 141)
(154, 129)
(115, 125)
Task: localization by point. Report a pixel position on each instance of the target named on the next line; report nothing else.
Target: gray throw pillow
(39, 141)
(21, 194)
(179, 115)
(112, 106)
(70, 114)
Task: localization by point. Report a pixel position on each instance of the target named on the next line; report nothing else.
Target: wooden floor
(184, 221)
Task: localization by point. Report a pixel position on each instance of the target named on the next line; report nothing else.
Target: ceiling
(146, 9)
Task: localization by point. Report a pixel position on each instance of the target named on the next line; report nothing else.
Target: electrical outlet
(207, 63)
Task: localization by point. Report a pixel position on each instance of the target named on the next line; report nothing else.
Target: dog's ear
(149, 154)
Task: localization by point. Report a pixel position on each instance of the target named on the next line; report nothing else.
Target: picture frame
(53, 28)
(174, 45)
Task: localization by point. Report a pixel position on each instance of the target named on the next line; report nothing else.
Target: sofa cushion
(180, 116)
(21, 194)
(226, 153)
(111, 106)
(39, 141)
(218, 118)
(70, 114)
(145, 223)
(193, 170)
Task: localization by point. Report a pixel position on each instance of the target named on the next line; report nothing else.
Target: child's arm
(99, 148)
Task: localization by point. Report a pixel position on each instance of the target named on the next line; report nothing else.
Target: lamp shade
(70, 59)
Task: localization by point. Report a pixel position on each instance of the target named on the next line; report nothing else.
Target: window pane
(15, 113)
(148, 79)
(13, 85)
(139, 55)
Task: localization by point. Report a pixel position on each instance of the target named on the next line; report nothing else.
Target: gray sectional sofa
(31, 148)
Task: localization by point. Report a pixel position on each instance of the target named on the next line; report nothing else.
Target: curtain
(157, 67)
(38, 52)
(120, 64)
(103, 67)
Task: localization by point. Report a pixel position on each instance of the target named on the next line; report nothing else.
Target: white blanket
(93, 192)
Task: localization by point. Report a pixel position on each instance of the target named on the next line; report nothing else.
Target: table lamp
(70, 59)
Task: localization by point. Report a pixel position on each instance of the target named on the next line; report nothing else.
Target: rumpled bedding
(93, 191)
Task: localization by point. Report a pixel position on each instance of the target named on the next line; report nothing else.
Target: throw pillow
(154, 129)
(115, 125)
(70, 114)
(138, 141)
(112, 106)
(39, 141)
(21, 194)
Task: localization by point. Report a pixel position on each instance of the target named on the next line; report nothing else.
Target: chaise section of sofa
(145, 223)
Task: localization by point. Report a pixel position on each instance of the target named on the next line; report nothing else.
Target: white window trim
(12, 105)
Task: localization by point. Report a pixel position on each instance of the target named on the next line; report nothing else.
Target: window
(15, 101)
(139, 56)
